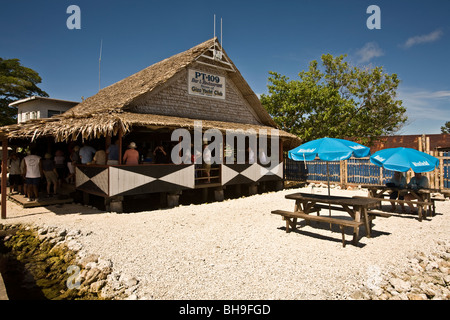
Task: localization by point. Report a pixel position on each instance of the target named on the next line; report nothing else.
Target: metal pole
(328, 182)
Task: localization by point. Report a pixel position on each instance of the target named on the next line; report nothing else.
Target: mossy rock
(47, 262)
(51, 293)
(46, 283)
(70, 294)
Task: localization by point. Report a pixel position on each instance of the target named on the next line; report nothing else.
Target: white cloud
(425, 104)
(431, 37)
(427, 110)
(368, 52)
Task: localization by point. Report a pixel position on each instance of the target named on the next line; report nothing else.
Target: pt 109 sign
(205, 84)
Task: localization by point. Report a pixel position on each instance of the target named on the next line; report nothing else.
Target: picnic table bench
(420, 205)
(426, 203)
(291, 221)
(308, 203)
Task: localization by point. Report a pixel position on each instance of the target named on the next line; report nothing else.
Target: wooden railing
(360, 171)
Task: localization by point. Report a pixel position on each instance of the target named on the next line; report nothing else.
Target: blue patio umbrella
(403, 159)
(328, 149)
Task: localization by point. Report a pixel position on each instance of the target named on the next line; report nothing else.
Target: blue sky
(259, 36)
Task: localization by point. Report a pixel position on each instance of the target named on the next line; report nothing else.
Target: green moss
(48, 264)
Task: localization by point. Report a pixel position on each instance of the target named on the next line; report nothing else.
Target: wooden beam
(4, 171)
(120, 145)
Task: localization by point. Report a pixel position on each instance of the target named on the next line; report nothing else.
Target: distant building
(437, 142)
(40, 107)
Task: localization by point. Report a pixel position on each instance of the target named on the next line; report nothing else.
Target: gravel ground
(237, 249)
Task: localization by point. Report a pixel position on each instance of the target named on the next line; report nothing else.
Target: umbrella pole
(328, 182)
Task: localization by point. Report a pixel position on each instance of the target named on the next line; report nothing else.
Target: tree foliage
(16, 82)
(339, 101)
(446, 128)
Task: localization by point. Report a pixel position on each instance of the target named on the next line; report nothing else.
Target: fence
(357, 171)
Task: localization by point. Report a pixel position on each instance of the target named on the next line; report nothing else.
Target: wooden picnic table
(423, 195)
(357, 208)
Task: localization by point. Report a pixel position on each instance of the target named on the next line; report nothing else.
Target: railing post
(441, 170)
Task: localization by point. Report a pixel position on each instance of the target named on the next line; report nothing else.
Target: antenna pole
(99, 63)
(221, 40)
(214, 26)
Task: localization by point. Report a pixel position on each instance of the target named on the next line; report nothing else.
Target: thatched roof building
(200, 84)
(158, 97)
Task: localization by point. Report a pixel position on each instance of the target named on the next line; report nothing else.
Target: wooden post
(4, 171)
(429, 175)
(441, 170)
(120, 146)
(107, 142)
(281, 157)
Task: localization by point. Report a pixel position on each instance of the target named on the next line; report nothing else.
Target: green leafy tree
(16, 82)
(338, 101)
(446, 127)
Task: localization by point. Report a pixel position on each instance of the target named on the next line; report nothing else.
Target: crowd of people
(31, 171)
(28, 172)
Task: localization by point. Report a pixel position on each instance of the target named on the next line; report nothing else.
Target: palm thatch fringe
(109, 124)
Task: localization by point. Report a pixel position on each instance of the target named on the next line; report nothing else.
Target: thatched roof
(105, 124)
(108, 111)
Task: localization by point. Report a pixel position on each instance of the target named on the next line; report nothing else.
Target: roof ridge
(127, 89)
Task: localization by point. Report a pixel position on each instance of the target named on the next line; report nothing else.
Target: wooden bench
(376, 213)
(325, 206)
(422, 204)
(291, 221)
(433, 201)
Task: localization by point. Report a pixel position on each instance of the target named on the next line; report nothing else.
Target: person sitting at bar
(160, 154)
(99, 157)
(131, 156)
(86, 153)
(397, 181)
(417, 182)
(113, 153)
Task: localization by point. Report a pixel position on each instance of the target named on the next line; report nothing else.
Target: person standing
(207, 162)
(33, 172)
(15, 175)
(50, 173)
(60, 166)
(74, 160)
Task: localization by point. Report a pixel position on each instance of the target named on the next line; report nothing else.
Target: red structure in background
(437, 142)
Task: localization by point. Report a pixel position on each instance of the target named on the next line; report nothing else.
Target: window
(52, 113)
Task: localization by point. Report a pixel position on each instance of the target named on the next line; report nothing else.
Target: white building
(40, 107)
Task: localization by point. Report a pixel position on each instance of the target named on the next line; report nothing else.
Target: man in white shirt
(207, 161)
(33, 172)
